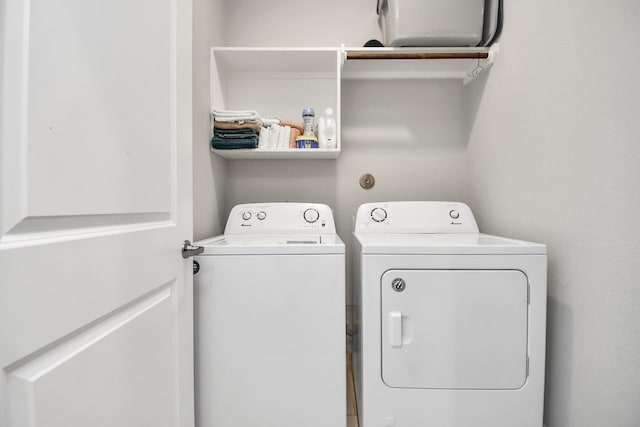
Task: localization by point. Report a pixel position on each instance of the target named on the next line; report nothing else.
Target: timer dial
(311, 215)
(378, 214)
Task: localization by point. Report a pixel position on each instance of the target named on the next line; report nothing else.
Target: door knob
(188, 250)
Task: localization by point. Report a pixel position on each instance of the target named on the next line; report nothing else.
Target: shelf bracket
(481, 65)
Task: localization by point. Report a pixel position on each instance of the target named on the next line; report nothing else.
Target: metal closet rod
(418, 55)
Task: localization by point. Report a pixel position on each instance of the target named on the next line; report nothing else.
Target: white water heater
(439, 23)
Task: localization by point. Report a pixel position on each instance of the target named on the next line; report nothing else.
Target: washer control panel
(415, 217)
(280, 218)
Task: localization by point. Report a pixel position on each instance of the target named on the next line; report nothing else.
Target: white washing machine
(450, 322)
(270, 320)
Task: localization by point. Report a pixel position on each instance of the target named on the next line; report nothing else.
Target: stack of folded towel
(235, 129)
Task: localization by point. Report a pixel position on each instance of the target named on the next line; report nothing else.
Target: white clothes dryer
(450, 322)
(270, 320)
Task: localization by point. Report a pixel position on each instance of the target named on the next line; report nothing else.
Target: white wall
(555, 157)
(208, 170)
(299, 23)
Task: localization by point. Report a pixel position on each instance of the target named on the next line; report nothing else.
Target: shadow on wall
(219, 171)
(560, 327)
(474, 93)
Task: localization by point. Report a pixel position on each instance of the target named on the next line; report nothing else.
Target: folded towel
(221, 113)
(274, 137)
(296, 125)
(237, 140)
(263, 140)
(237, 120)
(283, 140)
(240, 116)
(232, 125)
(270, 122)
(241, 131)
(225, 144)
(228, 139)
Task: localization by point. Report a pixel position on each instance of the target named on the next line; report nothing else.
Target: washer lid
(272, 244)
(470, 243)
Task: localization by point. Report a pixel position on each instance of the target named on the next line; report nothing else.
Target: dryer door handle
(395, 329)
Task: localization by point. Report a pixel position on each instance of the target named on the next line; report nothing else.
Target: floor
(352, 412)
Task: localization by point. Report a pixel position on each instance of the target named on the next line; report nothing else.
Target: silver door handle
(188, 250)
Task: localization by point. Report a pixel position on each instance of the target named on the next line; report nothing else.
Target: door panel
(78, 380)
(95, 130)
(454, 329)
(95, 188)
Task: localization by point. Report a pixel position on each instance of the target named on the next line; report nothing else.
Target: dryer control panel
(415, 218)
(281, 218)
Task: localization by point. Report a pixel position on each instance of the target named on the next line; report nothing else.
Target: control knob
(261, 215)
(246, 216)
(378, 214)
(311, 215)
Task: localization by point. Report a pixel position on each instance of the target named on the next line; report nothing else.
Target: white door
(95, 137)
(454, 329)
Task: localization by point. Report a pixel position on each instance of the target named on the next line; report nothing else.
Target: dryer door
(454, 329)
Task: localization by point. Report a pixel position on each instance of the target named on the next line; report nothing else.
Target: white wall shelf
(280, 83)
(464, 64)
(286, 154)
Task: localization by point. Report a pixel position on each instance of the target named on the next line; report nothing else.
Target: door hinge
(188, 250)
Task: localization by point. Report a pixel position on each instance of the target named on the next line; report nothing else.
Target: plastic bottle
(322, 132)
(308, 117)
(308, 138)
(327, 132)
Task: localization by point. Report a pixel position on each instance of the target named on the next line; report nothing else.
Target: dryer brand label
(398, 285)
